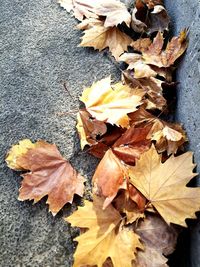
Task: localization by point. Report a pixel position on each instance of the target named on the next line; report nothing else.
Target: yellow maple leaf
(164, 185)
(105, 238)
(111, 103)
(16, 152)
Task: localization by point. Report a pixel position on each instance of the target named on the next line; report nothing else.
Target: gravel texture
(38, 52)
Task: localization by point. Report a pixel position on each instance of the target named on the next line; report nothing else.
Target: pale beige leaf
(164, 185)
(136, 62)
(80, 8)
(114, 11)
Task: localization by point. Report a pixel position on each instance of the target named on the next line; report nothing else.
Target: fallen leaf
(17, 151)
(136, 62)
(141, 44)
(80, 8)
(109, 177)
(125, 205)
(100, 37)
(111, 103)
(105, 238)
(106, 141)
(167, 136)
(158, 238)
(132, 144)
(164, 185)
(165, 58)
(89, 128)
(152, 86)
(159, 20)
(115, 12)
(153, 3)
(50, 174)
(156, 60)
(149, 17)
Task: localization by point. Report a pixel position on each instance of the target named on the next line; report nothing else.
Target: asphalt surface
(38, 52)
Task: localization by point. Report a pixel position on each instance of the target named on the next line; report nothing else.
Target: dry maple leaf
(100, 37)
(105, 238)
(152, 86)
(167, 136)
(158, 238)
(89, 128)
(109, 177)
(50, 174)
(115, 12)
(164, 185)
(156, 56)
(153, 61)
(17, 151)
(111, 103)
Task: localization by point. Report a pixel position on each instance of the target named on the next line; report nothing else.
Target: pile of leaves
(140, 190)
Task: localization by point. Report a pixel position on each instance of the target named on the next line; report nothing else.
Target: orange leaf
(132, 143)
(109, 177)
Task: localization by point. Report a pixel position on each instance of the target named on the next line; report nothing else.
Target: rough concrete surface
(38, 51)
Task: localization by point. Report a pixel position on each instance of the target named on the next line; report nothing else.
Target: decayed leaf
(159, 19)
(132, 143)
(153, 3)
(89, 128)
(111, 103)
(136, 62)
(153, 61)
(125, 205)
(167, 136)
(17, 151)
(50, 174)
(165, 58)
(109, 177)
(149, 16)
(104, 239)
(164, 185)
(141, 44)
(106, 141)
(114, 10)
(100, 37)
(152, 86)
(159, 240)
